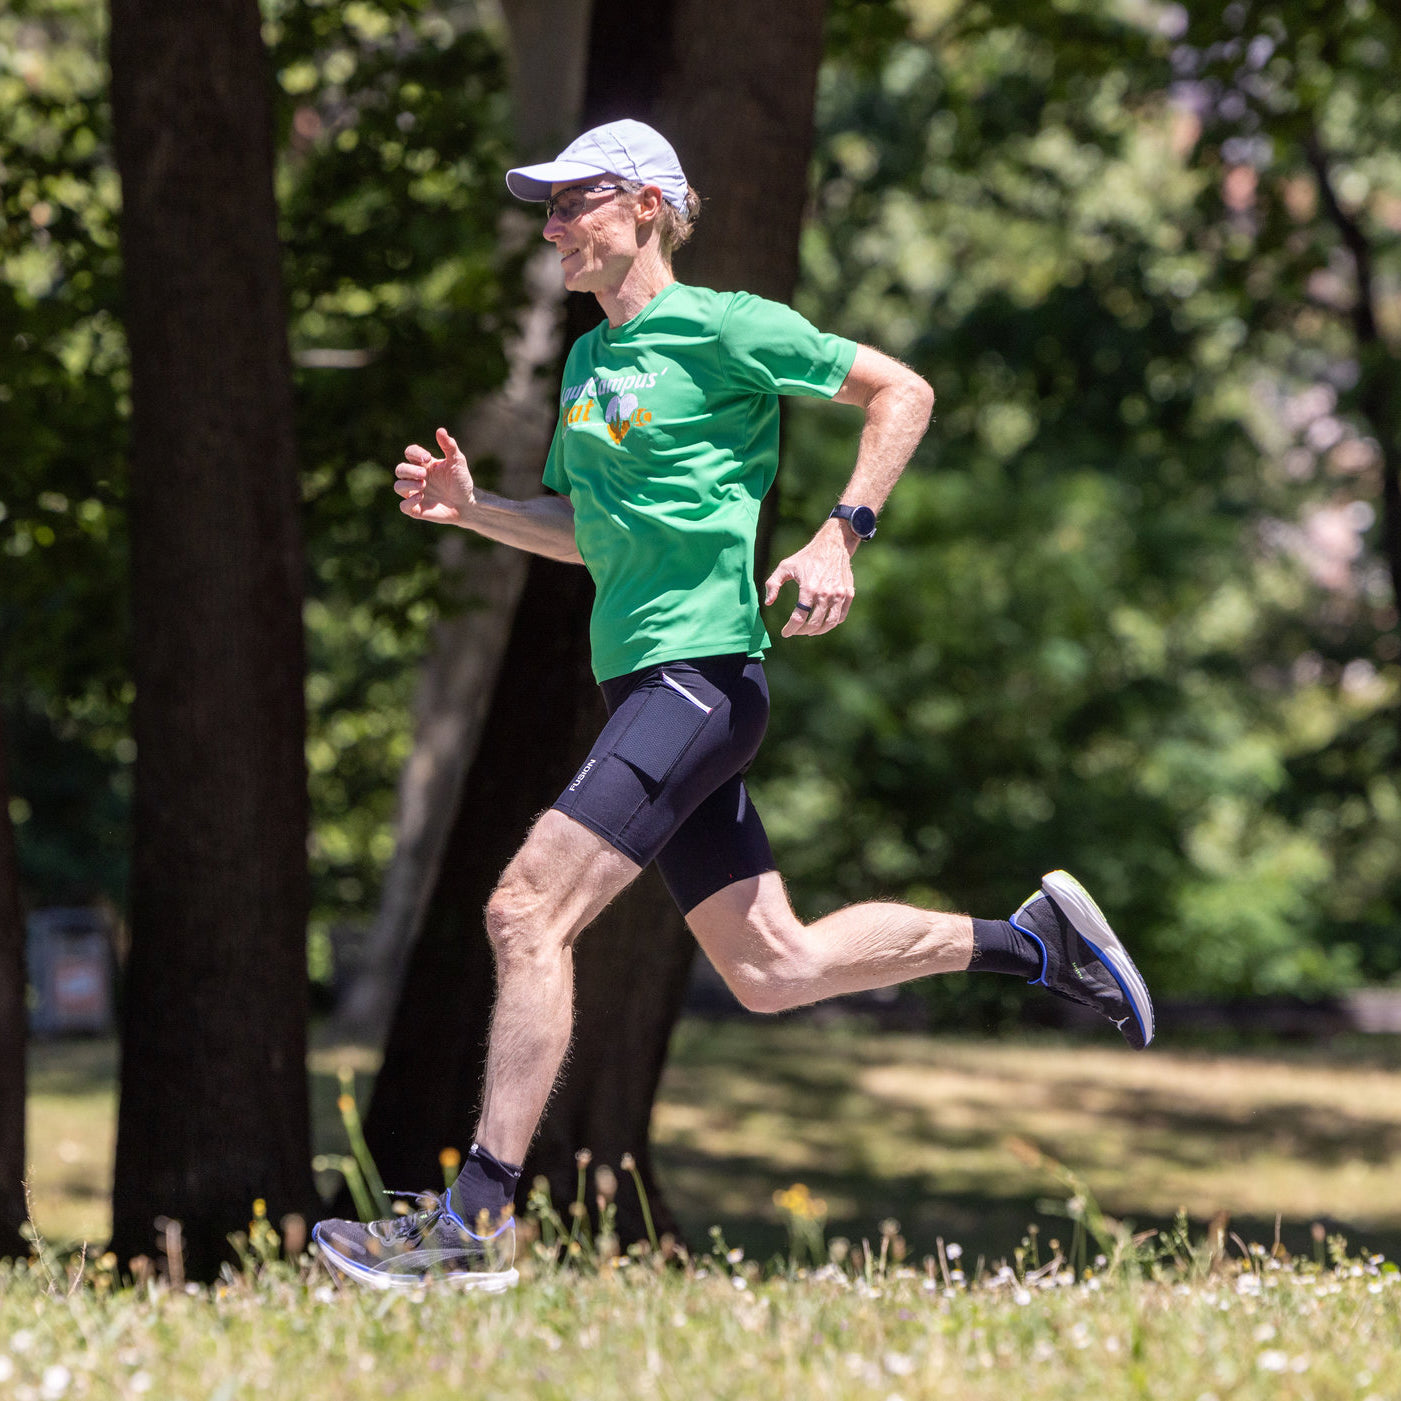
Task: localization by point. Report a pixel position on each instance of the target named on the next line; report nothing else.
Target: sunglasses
(570, 203)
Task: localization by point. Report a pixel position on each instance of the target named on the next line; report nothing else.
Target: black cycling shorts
(664, 780)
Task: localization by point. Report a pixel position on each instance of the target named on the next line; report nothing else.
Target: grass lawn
(1241, 1335)
(901, 1126)
(915, 1128)
(70, 1134)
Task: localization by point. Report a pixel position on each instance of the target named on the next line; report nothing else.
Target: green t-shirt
(666, 444)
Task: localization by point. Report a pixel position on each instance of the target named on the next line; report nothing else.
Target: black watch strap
(862, 519)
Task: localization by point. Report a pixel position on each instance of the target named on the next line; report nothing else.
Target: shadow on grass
(841, 1108)
(1187, 1128)
(775, 1086)
(1194, 1135)
(986, 1225)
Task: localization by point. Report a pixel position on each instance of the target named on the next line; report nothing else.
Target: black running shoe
(1082, 959)
(433, 1244)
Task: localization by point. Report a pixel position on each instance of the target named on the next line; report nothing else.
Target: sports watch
(862, 519)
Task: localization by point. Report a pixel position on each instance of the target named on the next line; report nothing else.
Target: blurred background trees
(1132, 611)
(1151, 634)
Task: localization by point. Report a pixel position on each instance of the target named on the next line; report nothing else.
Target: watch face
(863, 522)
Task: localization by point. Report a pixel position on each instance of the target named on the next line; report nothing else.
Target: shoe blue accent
(1040, 980)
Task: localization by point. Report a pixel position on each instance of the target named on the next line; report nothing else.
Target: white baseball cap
(626, 148)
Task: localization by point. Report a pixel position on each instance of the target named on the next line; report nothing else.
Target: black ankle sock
(484, 1184)
(1000, 947)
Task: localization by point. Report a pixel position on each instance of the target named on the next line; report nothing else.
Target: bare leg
(556, 885)
(772, 962)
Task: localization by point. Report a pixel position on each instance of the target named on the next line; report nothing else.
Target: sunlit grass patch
(70, 1134)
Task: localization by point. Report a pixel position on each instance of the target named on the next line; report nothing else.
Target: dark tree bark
(1378, 391)
(732, 85)
(1379, 383)
(214, 1105)
(13, 1026)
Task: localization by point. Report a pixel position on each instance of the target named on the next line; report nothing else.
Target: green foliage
(391, 118)
(1130, 610)
(63, 400)
(1076, 636)
(1297, 126)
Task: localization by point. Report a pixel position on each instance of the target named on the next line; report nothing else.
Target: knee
(516, 925)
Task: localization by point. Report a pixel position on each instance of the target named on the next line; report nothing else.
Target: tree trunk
(1379, 378)
(732, 85)
(214, 1105)
(13, 1022)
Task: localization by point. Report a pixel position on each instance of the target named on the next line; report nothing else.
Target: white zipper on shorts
(677, 686)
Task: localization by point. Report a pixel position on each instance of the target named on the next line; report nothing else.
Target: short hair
(674, 226)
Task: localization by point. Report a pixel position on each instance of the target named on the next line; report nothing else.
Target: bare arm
(441, 489)
(898, 403)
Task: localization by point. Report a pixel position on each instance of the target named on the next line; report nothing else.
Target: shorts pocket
(660, 733)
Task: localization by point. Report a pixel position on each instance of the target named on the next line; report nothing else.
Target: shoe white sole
(485, 1281)
(1091, 925)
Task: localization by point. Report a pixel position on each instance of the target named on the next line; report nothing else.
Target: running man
(666, 443)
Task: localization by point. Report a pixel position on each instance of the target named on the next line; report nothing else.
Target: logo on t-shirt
(623, 412)
(619, 413)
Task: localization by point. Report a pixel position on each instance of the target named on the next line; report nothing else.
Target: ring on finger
(803, 607)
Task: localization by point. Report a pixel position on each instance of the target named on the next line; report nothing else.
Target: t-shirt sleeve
(555, 476)
(768, 348)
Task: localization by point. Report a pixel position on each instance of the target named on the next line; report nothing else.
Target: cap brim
(534, 182)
